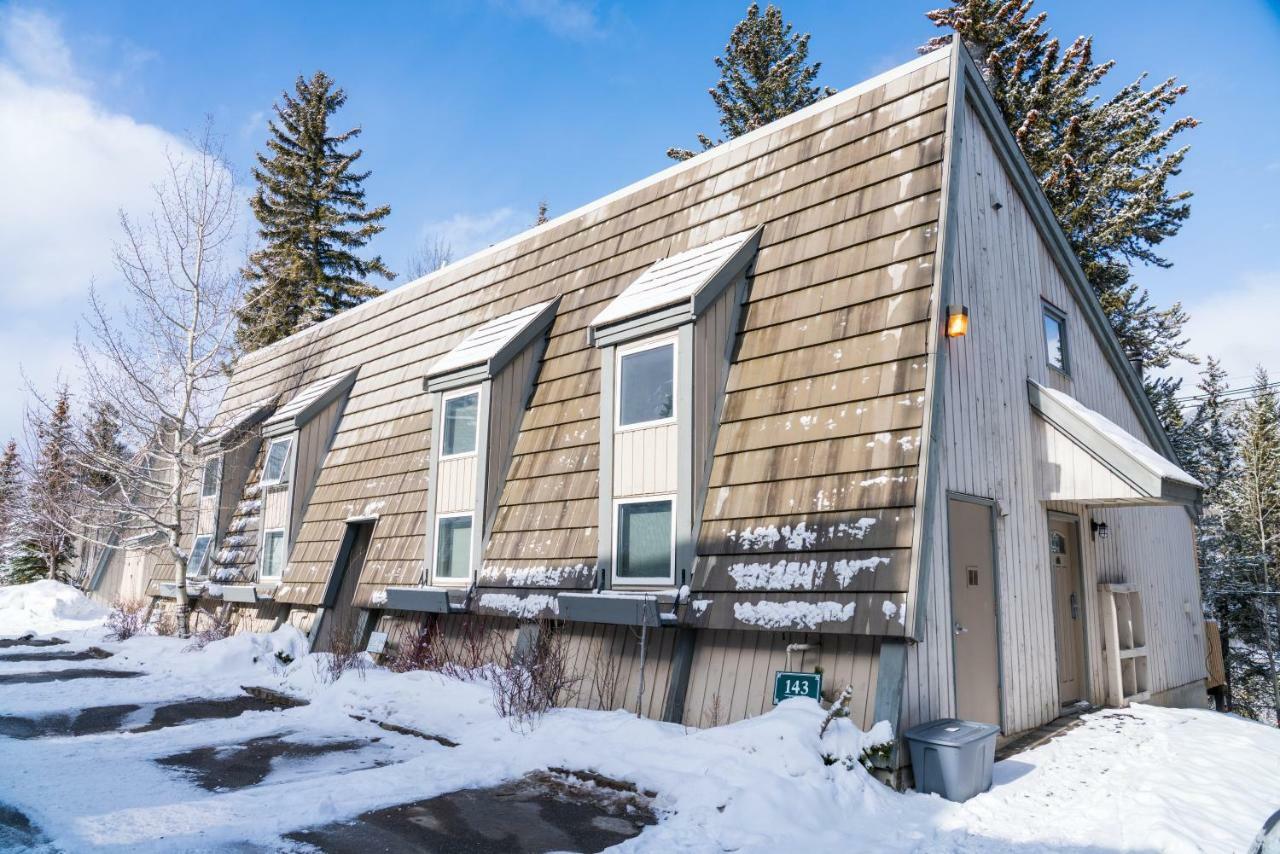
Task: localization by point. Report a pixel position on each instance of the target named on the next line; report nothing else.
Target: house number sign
(787, 685)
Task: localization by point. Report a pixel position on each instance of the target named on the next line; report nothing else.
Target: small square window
(644, 541)
(273, 470)
(209, 483)
(646, 385)
(199, 553)
(272, 553)
(1055, 339)
(459, 424)
(453, 547)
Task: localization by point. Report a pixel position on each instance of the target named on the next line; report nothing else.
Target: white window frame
(638, 347)
(195, 571)
(204, 477)
(648, 581)
(284, 466)
(461, 580)
(262, 558)
(447, 396)
(1049, 310)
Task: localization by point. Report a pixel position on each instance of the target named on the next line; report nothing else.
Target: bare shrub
(345, 654)
(535, 680)
(714, 713)
(165, 624)
(606, 675)
(128, 617)
(465, 655)
(215, 628)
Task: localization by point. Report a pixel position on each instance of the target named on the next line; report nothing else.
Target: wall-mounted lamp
(957, 321)
(1099, 530)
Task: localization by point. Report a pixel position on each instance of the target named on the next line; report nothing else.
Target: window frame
(1050, 311)
(624, 350)
(618, 581)
(284, 464)
(262, 558)
(460, 580)
(194, 571)
(216, 462)
(454, 394)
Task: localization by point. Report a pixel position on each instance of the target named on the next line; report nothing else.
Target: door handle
(959, 629)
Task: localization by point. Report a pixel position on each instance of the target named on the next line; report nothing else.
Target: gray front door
(970, 539)
(1068, 607)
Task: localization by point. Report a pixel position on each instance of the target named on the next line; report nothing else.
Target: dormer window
(474, 388)
(273, 470)
(666, 342)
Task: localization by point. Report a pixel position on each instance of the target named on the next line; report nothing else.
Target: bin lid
(951, 732)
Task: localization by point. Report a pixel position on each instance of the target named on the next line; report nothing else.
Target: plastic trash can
(952, 757)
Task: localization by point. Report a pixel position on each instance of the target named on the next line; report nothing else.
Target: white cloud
(70, 166)
(465, 233)
(1236, 325)
(568, 18)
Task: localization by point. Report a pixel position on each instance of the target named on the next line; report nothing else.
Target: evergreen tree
(1251, 510)
(542, 213)
(12, 506)
(51, 493)
(1183, 435)
(1104, 164)
(312, 218)
(764, 76)
(102, 442)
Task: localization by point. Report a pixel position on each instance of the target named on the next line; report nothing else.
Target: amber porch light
(957, 321)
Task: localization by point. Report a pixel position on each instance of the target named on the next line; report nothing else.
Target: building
(724, 422)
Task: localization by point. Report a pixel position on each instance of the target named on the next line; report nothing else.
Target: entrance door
(1068, 607)
(970, 538)
(340, 625)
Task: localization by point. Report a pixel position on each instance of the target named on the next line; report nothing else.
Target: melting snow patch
(525, 607)
(536, 576)
(782, 575)
(794, 614)
(847, 569)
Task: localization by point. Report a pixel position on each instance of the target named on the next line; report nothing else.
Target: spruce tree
(12, 506)
(764, 75)
(52, 485)
(1104, 164)
(312, 218)
(102, 443)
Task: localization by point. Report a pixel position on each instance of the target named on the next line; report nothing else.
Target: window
(273, 471)
(209, 485)
(1055, 339)
(644, 543)
(459, 424)
(272, 553)
(646, 384)
(453, 546)
(199, 552)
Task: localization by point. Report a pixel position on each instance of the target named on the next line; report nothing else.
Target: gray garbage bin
(952, 757)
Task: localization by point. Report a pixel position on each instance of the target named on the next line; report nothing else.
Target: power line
(1232, 395)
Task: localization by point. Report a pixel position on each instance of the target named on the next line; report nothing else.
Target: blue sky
(474, 111)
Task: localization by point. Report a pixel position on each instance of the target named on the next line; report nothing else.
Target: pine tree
(1183, 435)
(542, 213)
(1104, 164)
(764, 76)
(12, 507)
(312, 218)
(102, 441)
(1251, 502)
(52, 485)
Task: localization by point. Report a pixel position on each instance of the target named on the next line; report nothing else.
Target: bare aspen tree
(159, 359)
(433, 253)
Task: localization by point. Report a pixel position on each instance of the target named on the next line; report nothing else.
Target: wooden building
(724, 422)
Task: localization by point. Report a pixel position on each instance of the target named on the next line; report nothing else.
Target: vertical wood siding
(275, 508)
(456, 485)
(644, 461)
(988, 448)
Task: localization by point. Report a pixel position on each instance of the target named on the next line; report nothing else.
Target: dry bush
(535, 680)
(215, 628)
(128, 617)
(714, 713)
(469, 654)
(345, 654)
(165, 624)
(606, 675)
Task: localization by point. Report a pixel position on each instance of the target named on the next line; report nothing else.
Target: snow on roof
(233, 422)
(677, 278)
(1133, 447)
(309, 399)
(490, 339)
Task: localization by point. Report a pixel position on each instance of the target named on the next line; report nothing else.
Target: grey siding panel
(314, 440)
(508, 404)
(988, 448)
(711, 337)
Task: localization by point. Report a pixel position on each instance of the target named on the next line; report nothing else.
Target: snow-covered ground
(1144, 779)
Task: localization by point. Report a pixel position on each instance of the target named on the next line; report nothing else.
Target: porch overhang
(1083, 456)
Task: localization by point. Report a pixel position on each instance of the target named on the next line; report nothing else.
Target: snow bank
(44, 607)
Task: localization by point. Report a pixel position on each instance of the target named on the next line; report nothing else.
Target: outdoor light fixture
(1099, 530)
(957, 321)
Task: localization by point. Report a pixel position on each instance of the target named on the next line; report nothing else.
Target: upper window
(646, 384)
(1055, 339)
(199, 553)
(644, 542)
(453, 546)
(459, 424)
(272, 554)
(273, 471)
(209, 484)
